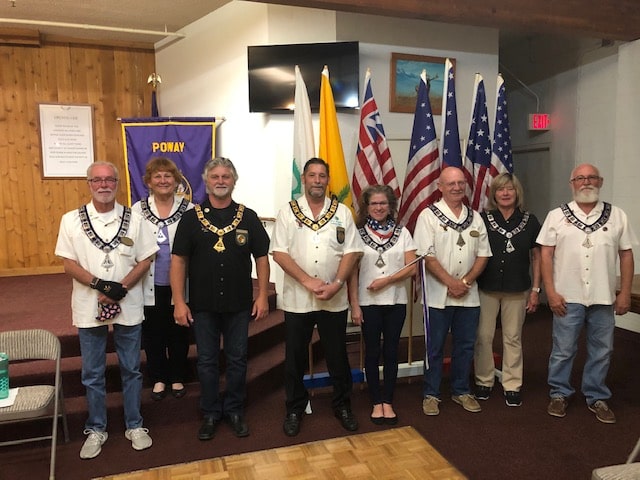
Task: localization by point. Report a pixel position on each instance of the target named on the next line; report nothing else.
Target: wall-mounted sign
(66, 136)
(539, 121)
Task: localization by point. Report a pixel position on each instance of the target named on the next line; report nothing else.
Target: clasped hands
(458, 288)
(321, 289)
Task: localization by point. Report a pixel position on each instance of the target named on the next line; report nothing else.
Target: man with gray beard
(580, 242)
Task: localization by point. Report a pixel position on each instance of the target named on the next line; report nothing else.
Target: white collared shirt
(317, 252)
(436, 240)
(74, 244)
(393, 258)
(586, 275)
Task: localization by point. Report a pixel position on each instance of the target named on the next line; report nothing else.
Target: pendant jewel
(509, 248)
(219, 246)
(587, 242)
(460, 242)
(107, 263)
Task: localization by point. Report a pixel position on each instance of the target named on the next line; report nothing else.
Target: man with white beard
(580, 242)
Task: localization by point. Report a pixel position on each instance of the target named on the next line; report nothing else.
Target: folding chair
(626, 471)
(35, 401)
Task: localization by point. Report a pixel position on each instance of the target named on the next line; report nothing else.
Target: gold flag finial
(154, 79)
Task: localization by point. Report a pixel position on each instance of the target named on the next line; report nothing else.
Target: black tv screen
(272, 74)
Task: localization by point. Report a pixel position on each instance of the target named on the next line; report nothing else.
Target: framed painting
(405, 78)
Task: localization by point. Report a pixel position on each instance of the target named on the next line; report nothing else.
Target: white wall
(594, 113)
(206, 74)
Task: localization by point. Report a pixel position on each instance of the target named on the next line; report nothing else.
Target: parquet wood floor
(398, 454)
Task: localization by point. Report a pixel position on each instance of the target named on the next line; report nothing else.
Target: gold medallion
(219, 246)
(126, 241)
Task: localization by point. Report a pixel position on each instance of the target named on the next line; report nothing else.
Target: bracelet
(536, 289)
(339, 282)
(464, 280)
(94, 282)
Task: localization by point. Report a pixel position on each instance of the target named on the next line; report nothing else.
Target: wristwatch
(536, 289)
(339, 282)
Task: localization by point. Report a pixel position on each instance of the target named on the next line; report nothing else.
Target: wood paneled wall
(114, 81)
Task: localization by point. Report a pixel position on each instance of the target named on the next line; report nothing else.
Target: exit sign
(539, 121)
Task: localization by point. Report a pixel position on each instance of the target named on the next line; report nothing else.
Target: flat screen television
(272, 74)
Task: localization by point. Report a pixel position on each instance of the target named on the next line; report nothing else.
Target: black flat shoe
(238, 425)
(157, 396)
(291, 424)
(347, 419)
(391, 420)
(207, 429)
(377, 420)
(178, 392)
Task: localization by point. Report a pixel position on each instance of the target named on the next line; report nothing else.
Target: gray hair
(103, 163)
(220, 162)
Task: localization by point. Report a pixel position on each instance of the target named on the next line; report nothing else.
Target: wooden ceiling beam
(613, 19)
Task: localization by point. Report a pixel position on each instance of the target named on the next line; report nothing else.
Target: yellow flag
(330, 149)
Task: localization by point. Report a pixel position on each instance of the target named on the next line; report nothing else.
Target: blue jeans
(599, 321)
(93, 348)
(234, 328)
(384, 321)
(463, 323)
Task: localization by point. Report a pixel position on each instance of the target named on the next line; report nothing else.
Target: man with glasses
(454, 239)
(107, 249)
(579, 245)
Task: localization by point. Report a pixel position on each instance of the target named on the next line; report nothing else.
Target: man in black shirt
(214, 243)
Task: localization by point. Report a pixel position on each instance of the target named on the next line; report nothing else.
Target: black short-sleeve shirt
(509, 272)
(220, 281)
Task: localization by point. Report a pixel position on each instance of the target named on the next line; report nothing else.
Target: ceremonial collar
(384, 246)
(161, 222)
(315, 225)
(458, 227)
(212, 228)
(96, 240)
(502, 231)
(576, 222)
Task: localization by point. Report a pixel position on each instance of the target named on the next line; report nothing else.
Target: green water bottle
(4, 375)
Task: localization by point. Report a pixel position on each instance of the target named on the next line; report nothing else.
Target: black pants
(332, 330)
(165, 343)
(382, 321)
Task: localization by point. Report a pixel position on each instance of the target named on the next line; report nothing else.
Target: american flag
(373, 158)
(478, 151)
(501, 158)
(450, 138)
(420, 183)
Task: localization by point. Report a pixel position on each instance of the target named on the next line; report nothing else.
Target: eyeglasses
(378, 204)
(99, 181)
(582, 178)
(508, 188)
(455, 184)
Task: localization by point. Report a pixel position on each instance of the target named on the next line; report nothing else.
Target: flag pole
(410, 347)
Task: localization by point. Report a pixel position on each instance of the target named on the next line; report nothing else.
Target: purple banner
(189, 142)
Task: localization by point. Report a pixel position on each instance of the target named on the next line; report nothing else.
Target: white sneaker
(140, 439)
(93, 444)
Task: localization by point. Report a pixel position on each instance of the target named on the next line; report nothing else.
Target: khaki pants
(512, 307)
